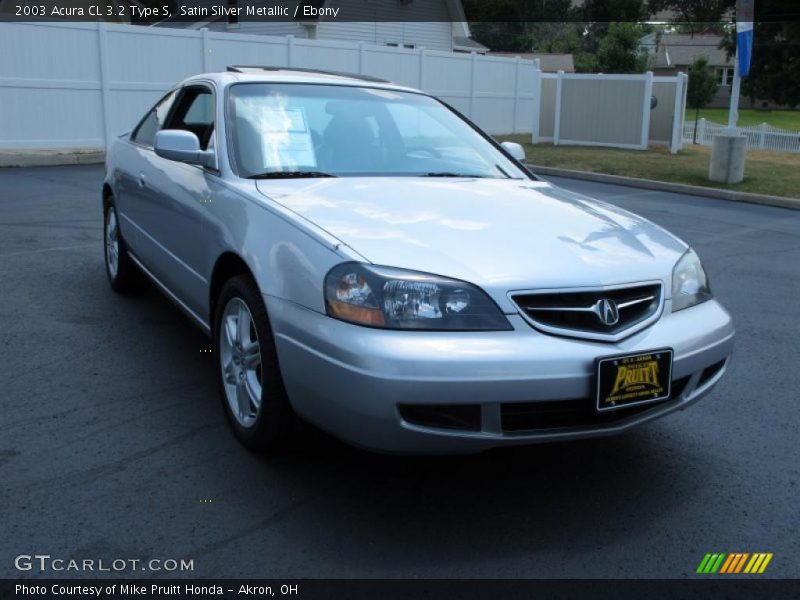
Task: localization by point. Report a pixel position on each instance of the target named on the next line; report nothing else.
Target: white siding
(380, 22)
(265, 28)
(431, 35)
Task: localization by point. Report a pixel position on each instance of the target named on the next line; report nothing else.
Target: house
(671, 53)
(549, 63)
(410, 24)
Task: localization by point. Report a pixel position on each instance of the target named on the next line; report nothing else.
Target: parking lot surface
(113, 442)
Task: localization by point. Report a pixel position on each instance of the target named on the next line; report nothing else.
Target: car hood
(500, 234)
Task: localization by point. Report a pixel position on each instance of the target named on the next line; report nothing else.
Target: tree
(702, 88)
(695, 15)
(509, 25)
(775, 62)
(598, 15)
(619, 50)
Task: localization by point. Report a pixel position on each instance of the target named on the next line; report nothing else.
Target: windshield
(328, 130)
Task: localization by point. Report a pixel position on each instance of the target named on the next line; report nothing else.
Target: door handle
(142, 181)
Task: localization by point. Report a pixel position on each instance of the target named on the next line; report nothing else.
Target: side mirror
(183, 146)
(515, 150)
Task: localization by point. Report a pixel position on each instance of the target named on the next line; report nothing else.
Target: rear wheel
(249, 376)
(122, 273)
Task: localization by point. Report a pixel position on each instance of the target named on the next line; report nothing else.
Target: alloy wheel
(112, 242)
(240, 361)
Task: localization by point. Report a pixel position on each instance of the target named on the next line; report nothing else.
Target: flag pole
(745, 14)
(729, 147)
(733, 110)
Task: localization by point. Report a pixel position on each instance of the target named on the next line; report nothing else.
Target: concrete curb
(51, 158)
(663, 186)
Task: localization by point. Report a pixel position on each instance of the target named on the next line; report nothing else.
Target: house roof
(465, 44)
(681, 49)
(549, 63)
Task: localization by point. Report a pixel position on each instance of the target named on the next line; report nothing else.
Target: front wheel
(249, 376)
(122, 273)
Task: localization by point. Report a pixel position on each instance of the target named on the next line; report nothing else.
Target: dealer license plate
(632, 379)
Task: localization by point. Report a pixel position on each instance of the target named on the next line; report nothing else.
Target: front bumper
(351, 380)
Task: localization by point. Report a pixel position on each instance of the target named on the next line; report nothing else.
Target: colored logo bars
(737, 562)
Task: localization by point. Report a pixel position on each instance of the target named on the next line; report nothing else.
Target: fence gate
(619, 111)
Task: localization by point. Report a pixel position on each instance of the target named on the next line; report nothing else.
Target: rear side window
(145, 132)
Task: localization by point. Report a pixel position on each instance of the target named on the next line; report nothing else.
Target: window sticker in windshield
(286, 143)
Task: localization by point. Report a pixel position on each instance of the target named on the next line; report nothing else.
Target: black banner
(735, 587)
(200, 13)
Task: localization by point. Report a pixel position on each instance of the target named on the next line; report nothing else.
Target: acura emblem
(607, 311)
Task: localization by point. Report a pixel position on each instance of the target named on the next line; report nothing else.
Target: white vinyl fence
(70, 85)
(759, 137)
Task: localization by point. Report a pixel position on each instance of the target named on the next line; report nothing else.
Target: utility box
(728, 152)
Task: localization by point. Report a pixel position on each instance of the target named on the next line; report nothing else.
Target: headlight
(399, 299)
(689, 282)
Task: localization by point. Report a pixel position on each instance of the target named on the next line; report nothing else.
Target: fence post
(762, 134)
(206, 50)
(422, 68)
(517, 61)
(289, 49)
(473, 60)
(557, 116)
(105, 101)
(677, 116)
(537, 102)
(648, 93)
(682, 111)
(701, 130)
(360, 58)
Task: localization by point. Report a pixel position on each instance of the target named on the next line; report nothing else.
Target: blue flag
(744, 34)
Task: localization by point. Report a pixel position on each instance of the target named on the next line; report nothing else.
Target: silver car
(367, 259)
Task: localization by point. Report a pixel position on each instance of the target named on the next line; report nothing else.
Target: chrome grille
(603, 314)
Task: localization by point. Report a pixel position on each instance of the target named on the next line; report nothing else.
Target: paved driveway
(112, 434)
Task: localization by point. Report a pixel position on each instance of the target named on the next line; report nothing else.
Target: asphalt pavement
(113, 443)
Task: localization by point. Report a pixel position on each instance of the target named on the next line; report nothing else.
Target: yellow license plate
(632, 379)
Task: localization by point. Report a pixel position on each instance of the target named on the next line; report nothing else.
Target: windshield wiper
(290, 175)
(449, 174)
(503, 171)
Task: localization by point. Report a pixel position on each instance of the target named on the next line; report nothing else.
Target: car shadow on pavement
(421, 511)
(358, 512)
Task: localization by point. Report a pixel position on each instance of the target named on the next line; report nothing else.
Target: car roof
(259, 74)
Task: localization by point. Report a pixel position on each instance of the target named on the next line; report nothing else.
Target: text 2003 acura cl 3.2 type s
(366, 258)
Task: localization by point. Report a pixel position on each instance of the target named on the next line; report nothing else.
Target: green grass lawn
(768, 173)
(783, 119)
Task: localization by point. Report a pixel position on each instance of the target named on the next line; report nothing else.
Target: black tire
(127, 278)
(274, 420)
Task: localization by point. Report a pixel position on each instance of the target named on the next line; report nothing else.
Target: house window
(397, 45)
(724, 75)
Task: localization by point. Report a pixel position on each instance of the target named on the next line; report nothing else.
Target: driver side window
(194, 111)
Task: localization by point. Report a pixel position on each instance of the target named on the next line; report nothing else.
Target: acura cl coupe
(367, 259)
